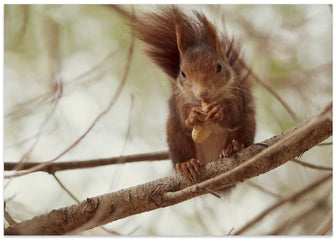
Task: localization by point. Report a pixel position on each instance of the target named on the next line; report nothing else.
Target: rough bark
(252, 161)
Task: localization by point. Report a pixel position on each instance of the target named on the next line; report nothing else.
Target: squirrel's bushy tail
(158, 30)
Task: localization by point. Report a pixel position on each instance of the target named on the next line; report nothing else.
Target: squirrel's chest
(209, 149)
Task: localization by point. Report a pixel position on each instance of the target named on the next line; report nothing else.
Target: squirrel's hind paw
(189, 169)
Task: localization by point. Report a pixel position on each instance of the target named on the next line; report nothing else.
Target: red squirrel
(206, 66)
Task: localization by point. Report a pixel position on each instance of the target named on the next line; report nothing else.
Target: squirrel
(206, 67)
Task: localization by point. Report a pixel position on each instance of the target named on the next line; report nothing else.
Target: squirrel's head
(205, 73)
(204, 68)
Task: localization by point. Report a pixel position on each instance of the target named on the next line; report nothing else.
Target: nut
(200, 133)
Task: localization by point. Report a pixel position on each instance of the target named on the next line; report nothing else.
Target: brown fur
(189, 49)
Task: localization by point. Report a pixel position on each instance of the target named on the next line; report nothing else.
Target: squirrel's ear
(184, 39)
(210, 32)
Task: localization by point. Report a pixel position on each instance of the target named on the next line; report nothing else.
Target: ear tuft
(208, 31)
(185, 33)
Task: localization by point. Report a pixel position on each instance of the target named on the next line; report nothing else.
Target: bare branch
(130, 118)
(325, 226)
(273, 92)
(291, 197)
(262, 189)
(8, 217)
(97, 69)
(166, 191)
(19, 109)
(26, 156)
(325, 144)
(50, 36)
(69, 165)
(312, 165)
(65, 188)
(76, 200)
(310, 207)
(102, 114)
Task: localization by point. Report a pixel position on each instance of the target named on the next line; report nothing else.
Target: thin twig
(110, 231)
(8, 217)
(65, 188)
(262, 189)
(307, 209)
(284, 200)
(312, 165)
(213, 193)
(273, 92)
(26, 156)
(102, 114)
(33, 103)
(118, 170)
(77, 200)
(230, 231)
(104, 63)
(325, 144)
(50, 36)
(36, 101)
(28, 139)
(130, 120)
(325, 226)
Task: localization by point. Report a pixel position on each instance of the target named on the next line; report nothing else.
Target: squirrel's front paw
(189, 169)
(214, 113)
(196, 117)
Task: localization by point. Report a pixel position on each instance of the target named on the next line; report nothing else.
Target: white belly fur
(209, 149)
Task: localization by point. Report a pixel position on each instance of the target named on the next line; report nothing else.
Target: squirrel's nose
(204, 95)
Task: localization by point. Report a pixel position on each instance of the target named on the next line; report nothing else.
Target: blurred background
(64, 63)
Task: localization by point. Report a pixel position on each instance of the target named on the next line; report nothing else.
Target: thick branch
(252, 161)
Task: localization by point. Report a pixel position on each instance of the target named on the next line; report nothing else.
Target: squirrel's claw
(196, 117)
(215, 113)
(189, 169)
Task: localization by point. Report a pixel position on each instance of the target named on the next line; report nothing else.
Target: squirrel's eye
(182, 74)
(218, 68)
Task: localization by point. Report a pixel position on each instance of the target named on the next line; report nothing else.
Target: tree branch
(61, 166)
(262, 189)
(291, 197)
(252, 161)
(65, 188)
(313, 166)
(325, 226)
(97, 119)
(309, 207)
(273, 92)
